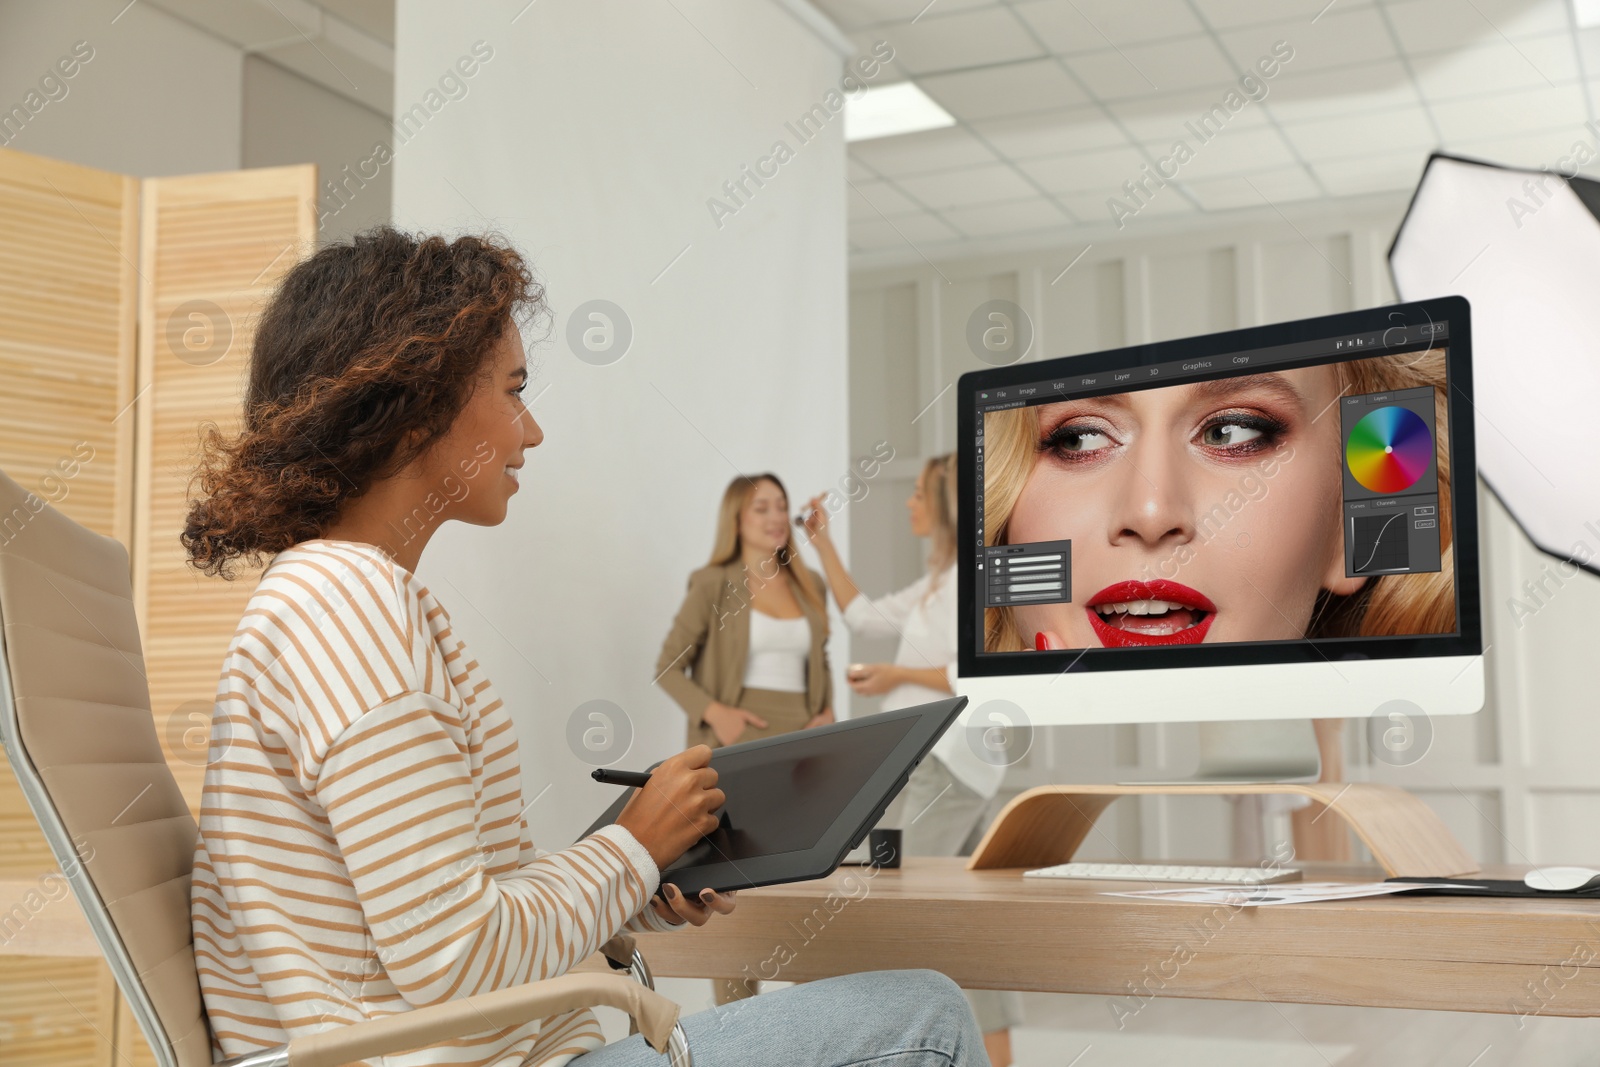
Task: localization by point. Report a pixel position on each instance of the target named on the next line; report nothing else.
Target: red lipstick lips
(1183, 620)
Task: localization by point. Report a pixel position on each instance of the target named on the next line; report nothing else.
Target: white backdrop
(593, 133)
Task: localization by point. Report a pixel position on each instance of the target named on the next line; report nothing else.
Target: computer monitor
(1270, 523)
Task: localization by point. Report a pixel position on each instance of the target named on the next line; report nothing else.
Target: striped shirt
(363, 848)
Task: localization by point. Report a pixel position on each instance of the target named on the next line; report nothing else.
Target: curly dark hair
(362, 358)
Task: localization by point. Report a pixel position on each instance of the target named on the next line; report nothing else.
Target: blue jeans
(912, 1018)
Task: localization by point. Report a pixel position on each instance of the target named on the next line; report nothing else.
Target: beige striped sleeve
(397, 789)
(647, 921)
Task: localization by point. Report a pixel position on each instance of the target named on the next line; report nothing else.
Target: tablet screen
(819, 775)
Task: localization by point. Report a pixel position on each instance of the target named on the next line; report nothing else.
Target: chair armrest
(655, 1015)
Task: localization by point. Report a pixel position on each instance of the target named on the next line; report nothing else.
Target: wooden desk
(994, 929)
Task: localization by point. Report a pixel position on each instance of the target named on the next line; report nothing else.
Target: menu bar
(1381, 342)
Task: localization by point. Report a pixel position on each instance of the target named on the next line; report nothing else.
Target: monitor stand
(1044, 826)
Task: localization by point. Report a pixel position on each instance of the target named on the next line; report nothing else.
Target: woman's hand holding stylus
(728, 723)
(677, 807)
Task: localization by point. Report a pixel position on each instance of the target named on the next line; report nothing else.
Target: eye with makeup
(1240, 433)
(1079, 440)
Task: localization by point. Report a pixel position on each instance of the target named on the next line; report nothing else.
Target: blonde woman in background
(746, 656)
(948, 792)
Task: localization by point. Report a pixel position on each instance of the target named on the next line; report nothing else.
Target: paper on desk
(1277, 893)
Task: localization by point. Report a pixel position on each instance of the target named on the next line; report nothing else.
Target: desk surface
(995, 929)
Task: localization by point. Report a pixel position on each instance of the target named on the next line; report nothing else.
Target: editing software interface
(1275, 494)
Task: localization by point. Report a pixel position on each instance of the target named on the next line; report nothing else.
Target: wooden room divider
(126, 317)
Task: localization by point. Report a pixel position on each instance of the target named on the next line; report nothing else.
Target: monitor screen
(1266, 491)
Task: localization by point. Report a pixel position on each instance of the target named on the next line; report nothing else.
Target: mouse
(1562, 879)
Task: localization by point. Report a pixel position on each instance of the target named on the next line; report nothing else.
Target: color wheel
(1389, 449)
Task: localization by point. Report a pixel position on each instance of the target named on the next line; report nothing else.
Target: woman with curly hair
(363, 848)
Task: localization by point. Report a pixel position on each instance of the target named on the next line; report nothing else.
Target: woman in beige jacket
(746, 655)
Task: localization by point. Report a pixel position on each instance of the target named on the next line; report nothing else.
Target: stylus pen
(638, 778)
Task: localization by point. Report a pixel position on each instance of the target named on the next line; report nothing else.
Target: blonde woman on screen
(948, 792)
(1141, 483)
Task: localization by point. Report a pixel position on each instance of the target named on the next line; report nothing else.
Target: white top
(927, 633)
(777, 655)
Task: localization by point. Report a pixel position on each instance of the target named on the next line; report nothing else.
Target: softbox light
(1523, 246)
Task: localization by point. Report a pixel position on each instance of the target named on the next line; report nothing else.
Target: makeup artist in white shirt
(947, 794)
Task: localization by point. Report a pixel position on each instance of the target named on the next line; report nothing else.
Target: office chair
(76, 724)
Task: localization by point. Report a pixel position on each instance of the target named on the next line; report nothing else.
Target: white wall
(1515, 783)
(593, 137)
(158, 97)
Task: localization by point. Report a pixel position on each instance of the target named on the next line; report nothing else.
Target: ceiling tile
(905, 232)
(1540, 149)
(1155, 69)
(1012, 89)
(1112, 75)
(1230, 152)
(1589, 49)
(857, 171)
(1352, 90)
(1090, 25)
(1594, 97)
(1162, 118)
(1495, 67)
(1100, 170)
(1224, 14)
(869, 200)
(1258, 189)
(1401, 130)
(916, 153)
(1052, 133)
(1013, 216)
(1554, 56)
(969, 185)
(1436, 25)
(1511, 113)
(1339, 38)
(1369, 174)
(855, 14)
(1097, 208)
(955, 41)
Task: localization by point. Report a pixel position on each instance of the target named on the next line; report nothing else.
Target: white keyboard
(1168, 872)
